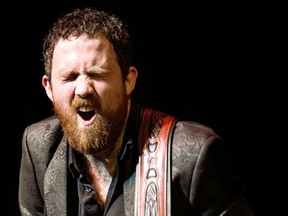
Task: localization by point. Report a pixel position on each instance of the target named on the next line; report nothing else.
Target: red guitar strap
(153, 172)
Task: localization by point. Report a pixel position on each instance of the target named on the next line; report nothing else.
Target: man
(89, 159)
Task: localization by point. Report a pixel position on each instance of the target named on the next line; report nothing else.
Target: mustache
(80, 102)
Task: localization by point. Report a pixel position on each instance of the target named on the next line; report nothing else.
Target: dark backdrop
(219, 63)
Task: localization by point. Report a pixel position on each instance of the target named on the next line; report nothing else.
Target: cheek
(107, 90)
(110, 95)
(101, 88)
(63, 95)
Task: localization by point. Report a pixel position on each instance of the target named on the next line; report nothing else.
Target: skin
(86, 77)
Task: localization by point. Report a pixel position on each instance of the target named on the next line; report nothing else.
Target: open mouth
(86, 113)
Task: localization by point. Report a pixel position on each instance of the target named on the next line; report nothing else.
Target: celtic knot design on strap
(151, 206)
(153, 163)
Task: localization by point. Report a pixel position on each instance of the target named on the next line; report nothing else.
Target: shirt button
(88, 189)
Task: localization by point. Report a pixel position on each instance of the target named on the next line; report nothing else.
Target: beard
(102, 135)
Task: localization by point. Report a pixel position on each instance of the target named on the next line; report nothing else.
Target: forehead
(96, 43)
(84, 46)
(80, 53)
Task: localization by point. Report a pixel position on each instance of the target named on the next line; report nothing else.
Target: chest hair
(101, 177)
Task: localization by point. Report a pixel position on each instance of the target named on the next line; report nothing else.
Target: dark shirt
(127, 161)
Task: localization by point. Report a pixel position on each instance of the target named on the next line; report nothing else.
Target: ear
(47, 86)
(130, 80)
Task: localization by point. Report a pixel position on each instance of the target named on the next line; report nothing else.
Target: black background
(219, 63)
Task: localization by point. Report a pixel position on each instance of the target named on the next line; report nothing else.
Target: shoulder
(43, 134)
(47, 123)
(194, 132)
(46, 126)
(192, 141)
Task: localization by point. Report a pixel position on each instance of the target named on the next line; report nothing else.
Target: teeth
(85, 109)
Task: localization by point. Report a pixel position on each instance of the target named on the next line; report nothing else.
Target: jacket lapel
(129, 195)
(55, 185)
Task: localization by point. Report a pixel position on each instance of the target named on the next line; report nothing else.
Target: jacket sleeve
(30, 193)
(205, 173)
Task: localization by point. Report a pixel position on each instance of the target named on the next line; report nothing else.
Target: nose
(83, 86)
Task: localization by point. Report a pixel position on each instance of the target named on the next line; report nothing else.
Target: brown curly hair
(91, 22)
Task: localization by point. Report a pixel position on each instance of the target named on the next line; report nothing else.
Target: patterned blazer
(203, 178)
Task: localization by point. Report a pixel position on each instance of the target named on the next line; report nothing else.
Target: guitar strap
(153, 174)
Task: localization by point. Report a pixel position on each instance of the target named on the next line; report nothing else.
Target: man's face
(88, 94)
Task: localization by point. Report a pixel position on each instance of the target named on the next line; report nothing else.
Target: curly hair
(91, 22)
